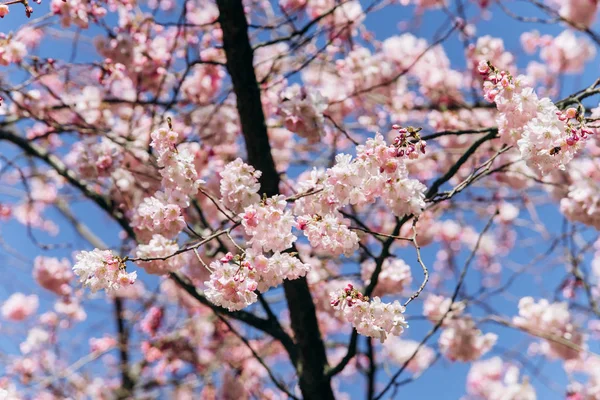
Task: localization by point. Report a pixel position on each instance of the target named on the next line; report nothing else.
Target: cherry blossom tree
(278, 199)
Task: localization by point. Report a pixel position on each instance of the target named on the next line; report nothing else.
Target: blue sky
(443, 381)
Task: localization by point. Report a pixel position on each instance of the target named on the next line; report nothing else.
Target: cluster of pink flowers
(37, 338)
(235, 279)
(232, 284)
(462, 341)
(102, 344)
(71, 308)
(545, 318)
(400, 351)
(270, 272)
(53, 274)
(395, 276)
(328, 234)
(155, 215)
(177, 169)
(239, 185)
(493, 379)
(160, 247)
(583, 198)
(565, 53)
(372, 318)
(343, 21)
(12, 50)
(95, 159)
(78, 12)
(580, 12)
(488, 48)
(302, 112)
(590, 367)
(378, 170)
(152, 321)
(101, 269)
(547, 138)
(203, 84)
(437, 307)
(269, 225)
(19, 306)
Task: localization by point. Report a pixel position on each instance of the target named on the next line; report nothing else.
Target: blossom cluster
(581, 12)
(395, 276)
(378, 171)
(101, 269)
(546, 137)
(583, 198)
(163, 256)
(401, 350)
(152, 321)
(543, 318)
(234, 280)
(372, 318)
(493, 379)
(328, 234)
(77, 12)
(179, 176)
(271, 271)
(462, 341)
(53, 274)
(302, 112)
(565, 53)
(202, 85)
(19, 306)
(239, 185)
(269, 225)
(94, 160)
(436, 308)
(155, 215)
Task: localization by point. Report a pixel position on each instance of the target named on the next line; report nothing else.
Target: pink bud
(226, 258)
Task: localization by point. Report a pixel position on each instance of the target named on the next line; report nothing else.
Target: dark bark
(312, 360)
(127, 383)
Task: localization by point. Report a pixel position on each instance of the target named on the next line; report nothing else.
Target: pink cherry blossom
(53, 274)
(160, 247)
(19, 306)
(239, 185)
(269, 225)
(302, 112)
(545, 318)
(395, 276)
(370, 318)
(462, 341)
(101, 269)
(400, 350)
